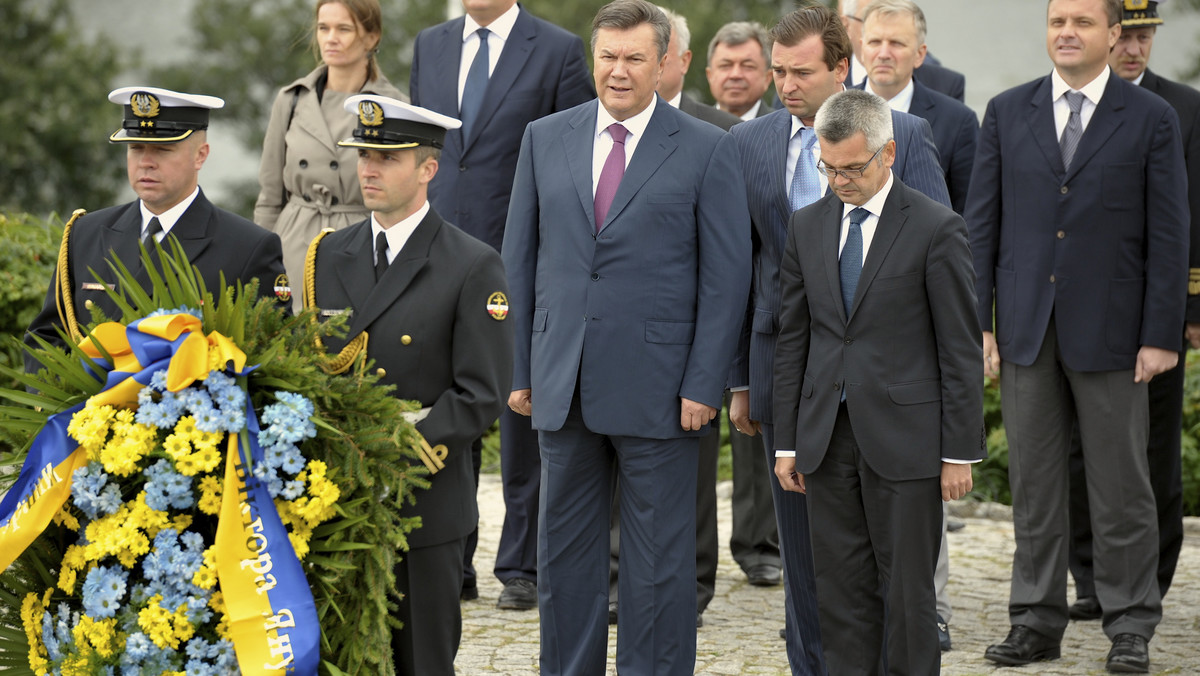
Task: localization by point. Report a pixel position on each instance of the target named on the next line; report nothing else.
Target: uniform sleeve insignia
(497, 306)
(283, 290)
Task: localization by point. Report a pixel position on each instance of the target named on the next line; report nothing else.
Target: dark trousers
(1166, 480)
(875, 545)
(656, 630)
(706, 525)
(520, 471)
(755, 538)
(472, 541)
(1041, 403)
(802, 625)
(430, 578)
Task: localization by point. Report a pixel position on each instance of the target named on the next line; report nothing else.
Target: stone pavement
(741, 626)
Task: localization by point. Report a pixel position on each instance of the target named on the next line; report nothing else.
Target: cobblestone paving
(741, 627)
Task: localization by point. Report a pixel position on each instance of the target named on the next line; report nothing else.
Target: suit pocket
(919, 392)
(539, 318)
(1124, 186)
(764, 322)
(896, 281)
(670, 332)
(669, 198)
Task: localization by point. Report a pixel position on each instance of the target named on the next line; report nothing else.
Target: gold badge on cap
(283, 289)
(144, 105)
(370, 114)
(497, 306)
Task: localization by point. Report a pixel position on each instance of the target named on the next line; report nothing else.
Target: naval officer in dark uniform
(432, 301)
(166, 145)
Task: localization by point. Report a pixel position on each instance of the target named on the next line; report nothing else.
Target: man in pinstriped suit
(767, 165)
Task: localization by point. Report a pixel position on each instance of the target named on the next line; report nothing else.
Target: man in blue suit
(1078, 220)
(533, 68)
(628, 249)
(809, 59)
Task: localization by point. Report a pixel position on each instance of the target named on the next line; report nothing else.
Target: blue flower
(102, 591)
(109, 500)
(167, 488)
(293, 463)
(292, 490)
(158, 381)
(86, 486)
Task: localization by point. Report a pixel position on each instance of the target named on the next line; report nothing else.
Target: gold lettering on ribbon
(281, 647)
(46, 480)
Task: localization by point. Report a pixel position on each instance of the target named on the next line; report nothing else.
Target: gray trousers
(1039, 403)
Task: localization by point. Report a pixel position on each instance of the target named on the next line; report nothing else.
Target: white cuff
(785, 454)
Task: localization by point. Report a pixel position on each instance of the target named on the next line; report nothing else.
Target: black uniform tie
(152, 229)
(381, 260)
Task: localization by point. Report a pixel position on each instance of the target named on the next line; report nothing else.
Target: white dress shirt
(398, 234)
(902, 101)
(498, 32)
(603, 143)
(1092, 92)
(166, 219)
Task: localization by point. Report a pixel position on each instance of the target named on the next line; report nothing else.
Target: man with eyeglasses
(877, 390)
(809, 59)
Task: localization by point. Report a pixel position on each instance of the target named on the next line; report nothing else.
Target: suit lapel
(1041, 125)
(776, 166)
(895, 213)
(443, 91)
(512, 61)
(192, 229)
(578, 144)
(652, 151)
(121, 241)
(831, 233)
(408, 263)
(1104, 123)
(922, 103)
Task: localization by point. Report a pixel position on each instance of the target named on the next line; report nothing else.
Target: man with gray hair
(877, 390)
(627, 248)
(737, 71)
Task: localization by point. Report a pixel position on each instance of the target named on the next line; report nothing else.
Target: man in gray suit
(737, 72)
(627, 248)
(882, 424)
(809, 59)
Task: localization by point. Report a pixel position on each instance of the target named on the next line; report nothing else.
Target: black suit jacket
(431, 336)
(1186, 102)
(907, 356)
(955, 131)
(939, 78)
(542, 70)
(709, 114)
(216, 241)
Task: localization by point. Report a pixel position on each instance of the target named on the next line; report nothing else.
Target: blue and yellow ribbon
(273, 619)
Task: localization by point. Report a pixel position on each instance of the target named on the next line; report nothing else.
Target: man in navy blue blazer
(628, 249)
(534, 68)
(1078, 218)
(809, 60)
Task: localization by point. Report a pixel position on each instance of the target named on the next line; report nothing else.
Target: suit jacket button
(1062, 234)
(849, 340)
(88, 304)
(462, 167)
(1051, 279)
(380, 372)
(303, 164)
(333, 165)
(837, 386)
(405, 339)
(1064, 189)
(595, 276)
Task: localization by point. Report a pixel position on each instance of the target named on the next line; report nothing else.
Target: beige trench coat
(306, 182)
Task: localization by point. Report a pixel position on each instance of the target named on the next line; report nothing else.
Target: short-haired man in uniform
(166, 145)
(432, 300)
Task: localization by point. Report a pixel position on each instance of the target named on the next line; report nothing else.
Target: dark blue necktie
(477, 79)
(850, 265)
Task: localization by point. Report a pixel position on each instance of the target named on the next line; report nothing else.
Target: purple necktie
(610, 175)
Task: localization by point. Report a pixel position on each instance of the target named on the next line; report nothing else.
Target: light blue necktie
(806, 185)
(850, 265)
(477, 79)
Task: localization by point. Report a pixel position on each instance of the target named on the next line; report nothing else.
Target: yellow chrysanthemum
(31, 620)
(177, 446)
(299, 545)
(187, 465)
(210, 495)
(207, 457)
(181, 522)
(155, 622)
(64, 517)
(122, 455)
(101, 635)
(90, 426)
